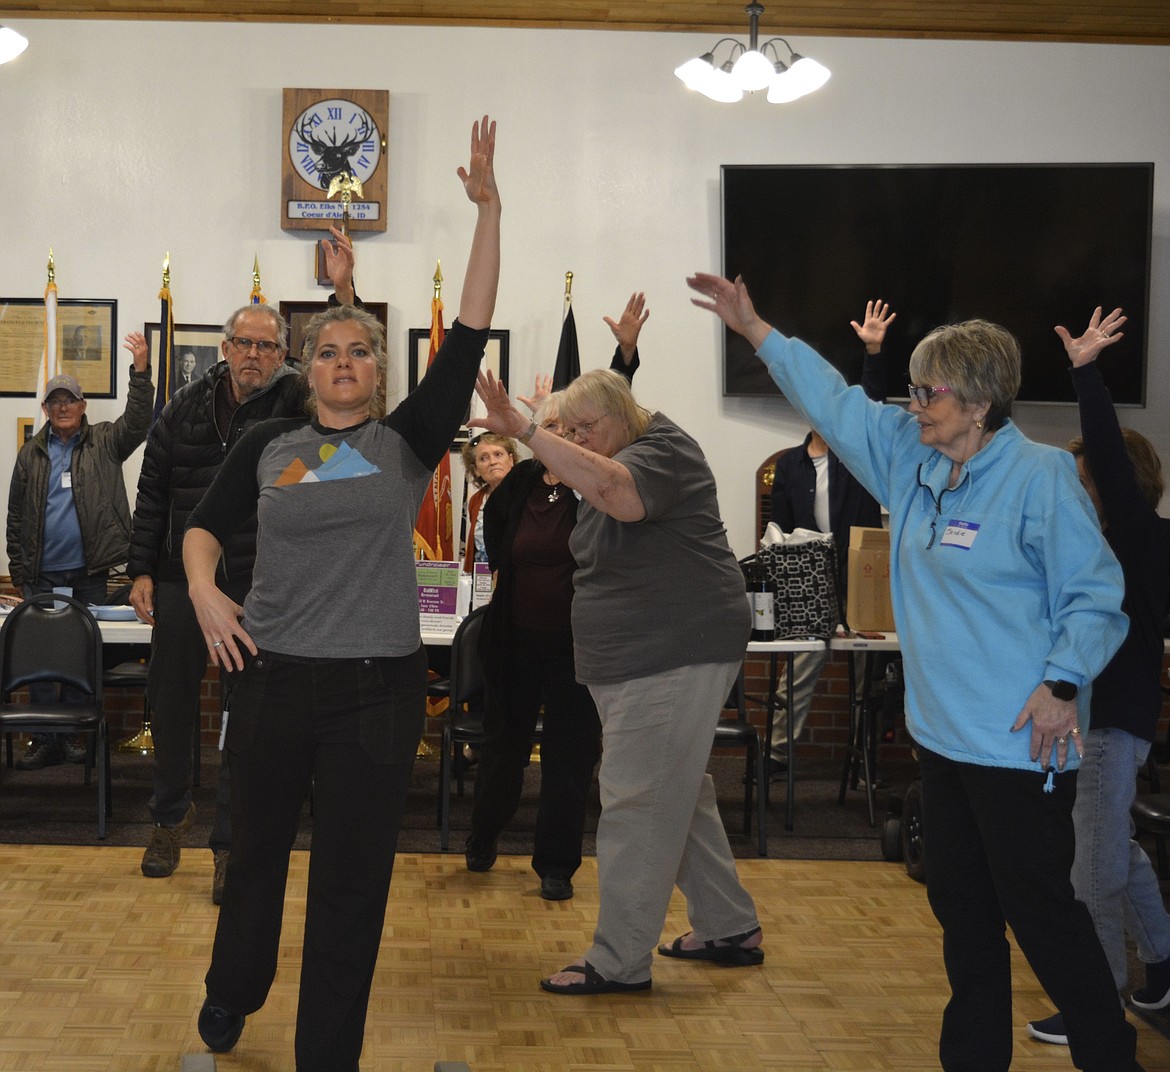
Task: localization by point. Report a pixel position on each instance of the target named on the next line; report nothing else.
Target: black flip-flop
(593, 984)
(730, 954)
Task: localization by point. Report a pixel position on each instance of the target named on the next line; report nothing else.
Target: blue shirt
(998, 584)
(61, 546)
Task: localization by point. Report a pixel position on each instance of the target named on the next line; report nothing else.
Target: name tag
(66, 480)
(960, 534)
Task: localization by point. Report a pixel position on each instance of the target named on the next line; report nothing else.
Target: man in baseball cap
(68, 514)
(63, 383)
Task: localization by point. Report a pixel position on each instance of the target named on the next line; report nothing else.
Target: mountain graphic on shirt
(337, 463)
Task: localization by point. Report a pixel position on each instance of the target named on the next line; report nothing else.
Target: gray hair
(979, 361)
(278, 321)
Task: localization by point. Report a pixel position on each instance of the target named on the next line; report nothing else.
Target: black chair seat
(128, 675)
(53, 718)
(1151, 812)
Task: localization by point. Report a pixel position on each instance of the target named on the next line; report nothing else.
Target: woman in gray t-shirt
(660, 626)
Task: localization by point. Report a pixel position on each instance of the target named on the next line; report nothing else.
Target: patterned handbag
(807, 603)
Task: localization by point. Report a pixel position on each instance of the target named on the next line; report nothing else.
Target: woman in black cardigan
(527, 652)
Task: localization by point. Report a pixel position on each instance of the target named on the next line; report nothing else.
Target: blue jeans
(1111, 873)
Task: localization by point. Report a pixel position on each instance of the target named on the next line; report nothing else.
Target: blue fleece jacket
(998, 584)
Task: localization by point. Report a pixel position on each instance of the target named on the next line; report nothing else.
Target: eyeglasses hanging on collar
(936, 499)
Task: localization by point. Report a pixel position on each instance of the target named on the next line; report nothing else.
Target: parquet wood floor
(101, 971)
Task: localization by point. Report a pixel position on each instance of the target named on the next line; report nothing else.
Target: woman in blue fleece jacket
(1007, 602)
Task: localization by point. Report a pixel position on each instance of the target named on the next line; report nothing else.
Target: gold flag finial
(347, 185)
(52, 267)
(167, 271)
(438, 280)
(256, 270)
(568, 286)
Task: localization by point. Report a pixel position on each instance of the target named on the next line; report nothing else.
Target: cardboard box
(868, 606)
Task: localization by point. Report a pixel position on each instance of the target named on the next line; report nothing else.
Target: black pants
(999, 850)
(539, 669)
(178, 663)
(347, 729)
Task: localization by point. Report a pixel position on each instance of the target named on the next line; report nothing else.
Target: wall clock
(327, 133)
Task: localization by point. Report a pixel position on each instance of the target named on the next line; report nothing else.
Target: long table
(137, 632)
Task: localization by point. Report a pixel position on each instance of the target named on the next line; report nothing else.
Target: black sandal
(593, 984)
(726, 952)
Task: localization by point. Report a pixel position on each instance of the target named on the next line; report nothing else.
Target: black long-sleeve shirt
(1127, 694)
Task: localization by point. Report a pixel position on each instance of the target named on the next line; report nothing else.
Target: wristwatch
(1062, 690)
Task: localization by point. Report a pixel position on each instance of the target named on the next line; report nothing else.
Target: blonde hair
(604, 392)
(375, 336)
(467, 452)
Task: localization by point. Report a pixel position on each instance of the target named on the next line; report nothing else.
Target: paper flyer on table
(438, 595)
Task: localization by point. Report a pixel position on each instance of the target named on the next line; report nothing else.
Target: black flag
(568, 357)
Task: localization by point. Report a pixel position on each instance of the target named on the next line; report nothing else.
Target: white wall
(123, 140)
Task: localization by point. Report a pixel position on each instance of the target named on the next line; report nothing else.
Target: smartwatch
(1062, 690)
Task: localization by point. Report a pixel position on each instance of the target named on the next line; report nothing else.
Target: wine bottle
(763, 596)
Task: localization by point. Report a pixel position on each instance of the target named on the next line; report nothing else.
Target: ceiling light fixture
(748, 69)
(12, 44)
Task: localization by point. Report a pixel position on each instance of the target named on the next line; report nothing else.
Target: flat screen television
(1027, 246)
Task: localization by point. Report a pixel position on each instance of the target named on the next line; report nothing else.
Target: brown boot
(166, 843)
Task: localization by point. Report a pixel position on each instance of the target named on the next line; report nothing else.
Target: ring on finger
(1075, 731)
(1062, 740)
(218, 644)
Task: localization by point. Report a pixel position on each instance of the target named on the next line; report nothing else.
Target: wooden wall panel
(1135, 22)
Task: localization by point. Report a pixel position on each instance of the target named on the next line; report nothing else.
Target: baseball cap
(64, 383)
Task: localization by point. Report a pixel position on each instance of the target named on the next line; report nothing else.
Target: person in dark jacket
(813, 490)
(1111, 873)
(198, 428)
(527, 650)
(68, 514)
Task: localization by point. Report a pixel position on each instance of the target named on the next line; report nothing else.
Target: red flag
(433, 529)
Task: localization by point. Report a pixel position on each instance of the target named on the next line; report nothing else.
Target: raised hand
(731, 303)
(339, 264)
(872, 330)
(479, 178)
(1101, 332)
(629, 325)
(135, 342)
(540, 392)
(502, 416)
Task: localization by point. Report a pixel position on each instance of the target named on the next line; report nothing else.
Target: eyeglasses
(923, 395)
(585, 429)
(61, 403)
(555, 428)
(241, 344)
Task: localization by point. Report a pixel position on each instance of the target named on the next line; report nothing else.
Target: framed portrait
(87, 333)
(298, 315)
(495, 358)
(196, 350)
(24, 431)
